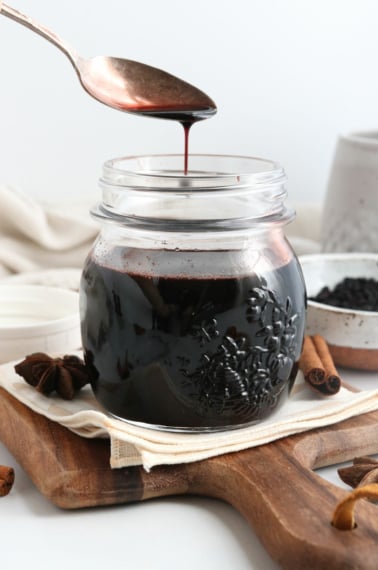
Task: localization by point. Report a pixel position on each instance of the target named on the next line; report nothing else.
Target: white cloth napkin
(132, 445)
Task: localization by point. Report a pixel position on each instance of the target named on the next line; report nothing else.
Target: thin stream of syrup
(186, 118)
(186, 125)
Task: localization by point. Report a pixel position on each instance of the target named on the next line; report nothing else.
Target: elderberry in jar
(192, 300)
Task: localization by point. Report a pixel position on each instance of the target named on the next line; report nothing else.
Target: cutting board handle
(289, 505)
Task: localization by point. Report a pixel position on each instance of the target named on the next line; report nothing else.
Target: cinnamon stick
(317, 366)
(310, 363)
(6, 480)
(333, 381)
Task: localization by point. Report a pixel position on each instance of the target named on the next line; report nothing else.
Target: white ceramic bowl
(352, 335)
(34, 318)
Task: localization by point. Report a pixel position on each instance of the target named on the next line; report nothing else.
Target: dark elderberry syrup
(191, 352)
(187, 119)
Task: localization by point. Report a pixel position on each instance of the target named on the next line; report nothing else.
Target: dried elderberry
(359, 293)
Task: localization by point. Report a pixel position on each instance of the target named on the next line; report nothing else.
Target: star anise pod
(65, 375)
(363, 472)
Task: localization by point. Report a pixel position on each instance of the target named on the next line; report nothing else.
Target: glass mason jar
(192, 300)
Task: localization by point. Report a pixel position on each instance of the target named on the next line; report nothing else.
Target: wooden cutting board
(273, 486)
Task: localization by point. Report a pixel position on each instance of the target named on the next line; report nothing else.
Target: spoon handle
(24, 20)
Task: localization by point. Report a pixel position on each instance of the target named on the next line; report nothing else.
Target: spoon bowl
(125, 84)
(139, 88)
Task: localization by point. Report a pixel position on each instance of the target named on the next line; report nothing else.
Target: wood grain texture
(69, 470)
(273, 486)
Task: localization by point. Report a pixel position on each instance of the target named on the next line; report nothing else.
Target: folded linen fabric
(34, 236)
(133, 445)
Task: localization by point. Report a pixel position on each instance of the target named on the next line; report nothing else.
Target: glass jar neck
(219, 193)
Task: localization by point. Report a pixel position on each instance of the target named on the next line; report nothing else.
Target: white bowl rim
(348, 255)
(46, 326)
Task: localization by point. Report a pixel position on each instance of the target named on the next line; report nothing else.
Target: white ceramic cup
(350, 214)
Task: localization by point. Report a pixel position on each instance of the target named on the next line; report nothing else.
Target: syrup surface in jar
(190, 351)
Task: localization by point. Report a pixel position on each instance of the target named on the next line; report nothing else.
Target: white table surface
(181, 533)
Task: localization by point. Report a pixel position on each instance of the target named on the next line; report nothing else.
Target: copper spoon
(125, 84)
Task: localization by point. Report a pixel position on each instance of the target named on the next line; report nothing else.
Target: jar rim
(153, 191)
(205, 170)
